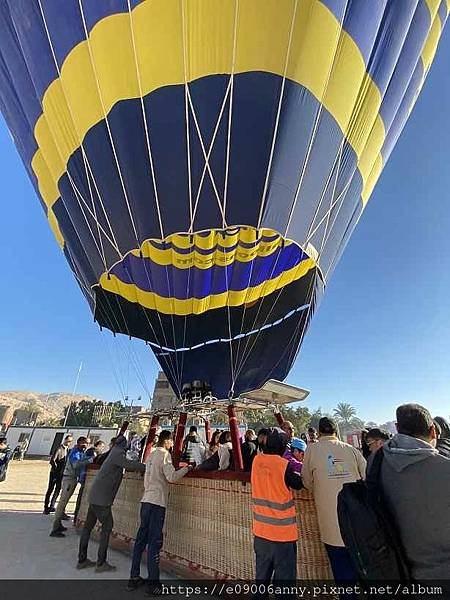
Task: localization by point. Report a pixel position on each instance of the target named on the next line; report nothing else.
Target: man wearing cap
(295, 454)
(274, 516)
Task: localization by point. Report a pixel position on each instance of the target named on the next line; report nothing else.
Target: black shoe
(134, 583)
(52, 509)
(85, 564)
(154, 589)
(46, 511)
(57, 533)
(61, 528)
(105, 568)
(65, 517)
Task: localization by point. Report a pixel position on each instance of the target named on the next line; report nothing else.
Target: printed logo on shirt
(337, 468)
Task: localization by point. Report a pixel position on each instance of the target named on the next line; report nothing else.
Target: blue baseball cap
(298, 444)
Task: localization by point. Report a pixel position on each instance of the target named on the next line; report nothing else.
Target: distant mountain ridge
(50, 406)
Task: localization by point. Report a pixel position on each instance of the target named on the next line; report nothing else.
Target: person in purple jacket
(295, 454)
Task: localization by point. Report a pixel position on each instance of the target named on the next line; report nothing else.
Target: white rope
(144, 117)
(257, 242)
(186, 113)
(230, 113)
(205, 155)
(100, 96)
(324, 190)
(95, 213)
(310, 145)
(328, 213)
(150, 158)
(309, 306)
(277, 119)
(213, 139)
(338, 198)
(78, 194)
(316, 125)
(231, 390)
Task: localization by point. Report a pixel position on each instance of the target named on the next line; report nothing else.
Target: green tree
(257, 419)
(79, 414)
(344, 413)
(300, 418)
(315, 418)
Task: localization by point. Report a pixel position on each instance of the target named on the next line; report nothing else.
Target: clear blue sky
(380, 338)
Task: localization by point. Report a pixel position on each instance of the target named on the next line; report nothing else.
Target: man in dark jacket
(101, 497)
(5, 457)
(443, 443)
(415, 480)
(74, 473)
(96, 450)
(248, 449)
(193, 447)
(57, 464)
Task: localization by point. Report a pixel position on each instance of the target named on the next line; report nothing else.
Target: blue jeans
(344, 572)
(150, 535)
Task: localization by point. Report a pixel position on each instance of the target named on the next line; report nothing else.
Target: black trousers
(104, 515)
(78, 504)
(54, 487)
(276, 563)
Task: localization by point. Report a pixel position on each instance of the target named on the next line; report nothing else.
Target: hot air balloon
(203, 163)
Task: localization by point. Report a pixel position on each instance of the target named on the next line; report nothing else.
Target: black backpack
(368, 531)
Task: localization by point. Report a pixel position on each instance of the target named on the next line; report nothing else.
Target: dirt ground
(27, 551)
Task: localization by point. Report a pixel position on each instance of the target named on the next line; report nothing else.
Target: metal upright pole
(73, 393)
(207, 431)
(150, 437)
(177, 447)
(235, 441)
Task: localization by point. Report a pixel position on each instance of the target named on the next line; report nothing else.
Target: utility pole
(73, 393)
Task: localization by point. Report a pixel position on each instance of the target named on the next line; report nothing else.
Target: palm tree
(344, 413)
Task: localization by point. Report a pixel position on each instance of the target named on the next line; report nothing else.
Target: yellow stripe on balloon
(428, 53)
(197, 306)
(214, 241)
(323, 58)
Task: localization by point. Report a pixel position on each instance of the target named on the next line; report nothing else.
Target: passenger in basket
(225, 452)
(193, 447)
(289, 430)
(296, 454)
(248, 449)
(213, 445)
(101, 498)
(274, 516)
(159, 472)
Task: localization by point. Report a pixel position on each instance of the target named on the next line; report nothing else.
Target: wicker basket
(208, 529)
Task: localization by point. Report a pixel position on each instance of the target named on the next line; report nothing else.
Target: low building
(163, 395)
(23, 416)
(44, 440)
(6, 415)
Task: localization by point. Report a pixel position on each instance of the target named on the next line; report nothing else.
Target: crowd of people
(414, 461)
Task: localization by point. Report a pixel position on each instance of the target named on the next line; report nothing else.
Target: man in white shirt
(327, 465)
(159, 472)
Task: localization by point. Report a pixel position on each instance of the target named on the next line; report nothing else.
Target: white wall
(42, 437)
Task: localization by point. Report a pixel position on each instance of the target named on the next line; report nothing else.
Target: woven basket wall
(208, 526)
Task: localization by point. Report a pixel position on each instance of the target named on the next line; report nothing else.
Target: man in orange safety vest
(274, 516)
